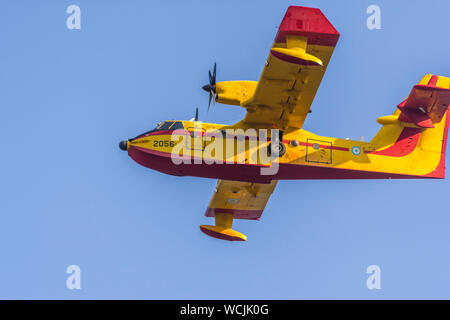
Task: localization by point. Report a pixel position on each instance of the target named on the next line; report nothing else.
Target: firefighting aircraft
(410, 144)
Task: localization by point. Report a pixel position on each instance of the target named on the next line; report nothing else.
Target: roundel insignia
(356, 151)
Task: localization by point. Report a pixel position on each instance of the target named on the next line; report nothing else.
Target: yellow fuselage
(237, 153)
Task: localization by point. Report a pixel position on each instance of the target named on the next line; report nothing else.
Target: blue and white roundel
(356, 151)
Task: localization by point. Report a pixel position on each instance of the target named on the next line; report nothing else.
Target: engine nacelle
(235, 92)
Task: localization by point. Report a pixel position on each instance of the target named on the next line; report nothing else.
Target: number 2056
(163, 143)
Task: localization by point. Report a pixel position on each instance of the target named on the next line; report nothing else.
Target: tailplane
(426, 104)
(419, 127)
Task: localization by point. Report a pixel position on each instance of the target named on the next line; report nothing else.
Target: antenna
(196, 115)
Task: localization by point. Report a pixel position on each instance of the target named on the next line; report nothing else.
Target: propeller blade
(209, 103)
(213, 94)
(196, 114)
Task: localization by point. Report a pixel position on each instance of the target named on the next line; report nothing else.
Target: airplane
(410, 144)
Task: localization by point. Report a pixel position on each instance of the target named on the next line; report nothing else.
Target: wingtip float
(410, 145)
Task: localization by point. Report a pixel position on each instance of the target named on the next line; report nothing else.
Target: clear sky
(70, 196)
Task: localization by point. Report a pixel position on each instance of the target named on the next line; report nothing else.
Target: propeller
(211, 86)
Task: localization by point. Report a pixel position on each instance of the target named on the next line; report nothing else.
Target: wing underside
(236, 200)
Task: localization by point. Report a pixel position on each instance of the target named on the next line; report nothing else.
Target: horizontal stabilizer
(418, 117)
(427, 103)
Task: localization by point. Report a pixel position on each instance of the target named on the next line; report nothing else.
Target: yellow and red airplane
(411, 143)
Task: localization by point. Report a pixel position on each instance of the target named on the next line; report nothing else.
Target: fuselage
(189, 148)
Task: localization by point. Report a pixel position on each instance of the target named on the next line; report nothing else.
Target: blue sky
(70, 196)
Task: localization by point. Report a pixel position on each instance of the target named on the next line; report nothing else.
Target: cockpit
(170, 125)
(166, 125)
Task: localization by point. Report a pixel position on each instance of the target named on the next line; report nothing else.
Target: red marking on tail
(433, 81)
(405, 144)
(439, 172)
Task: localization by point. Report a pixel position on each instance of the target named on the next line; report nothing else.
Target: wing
(293, 71)
(236, 200)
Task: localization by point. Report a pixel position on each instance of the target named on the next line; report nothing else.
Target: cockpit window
(177, 125)
(166, 125)
(171, 125)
